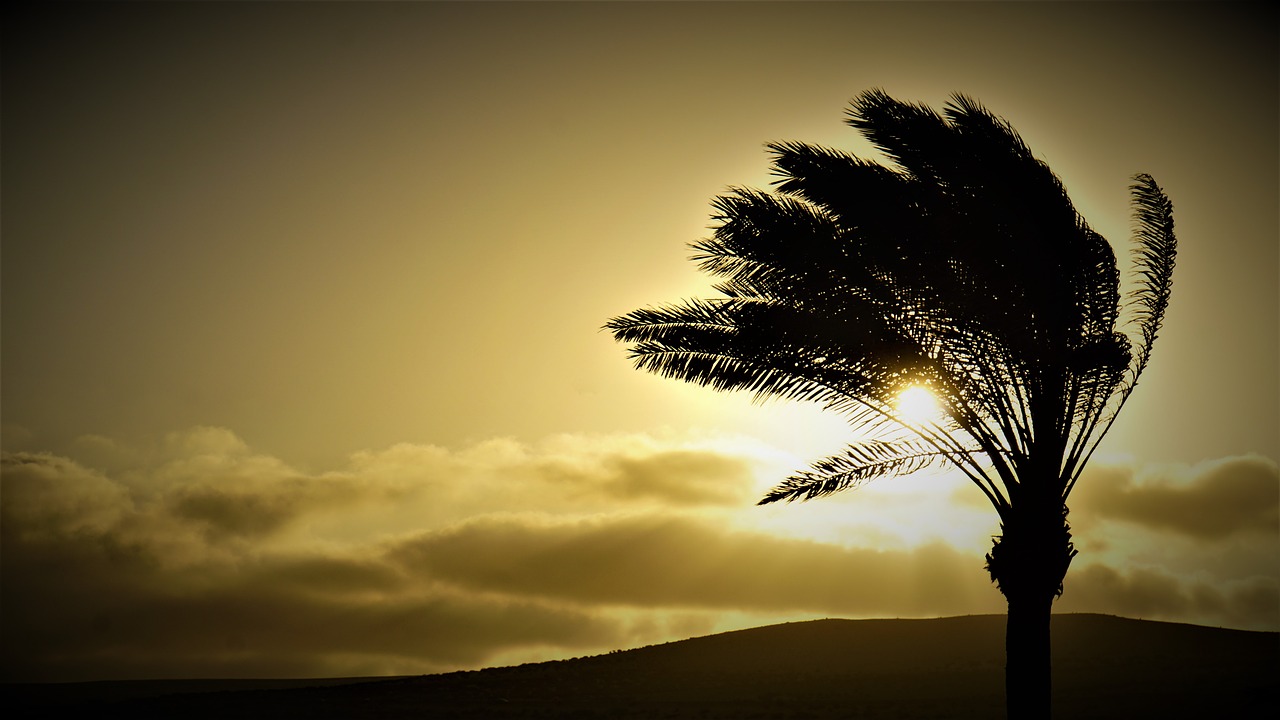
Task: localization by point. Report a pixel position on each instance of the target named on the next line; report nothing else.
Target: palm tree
(962, 267)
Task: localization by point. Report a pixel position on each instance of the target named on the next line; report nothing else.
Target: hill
(1104, 667)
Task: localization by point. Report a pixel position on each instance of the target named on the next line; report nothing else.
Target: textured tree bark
(1028, 563)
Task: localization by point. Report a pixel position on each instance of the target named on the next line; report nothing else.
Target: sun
(917, 406)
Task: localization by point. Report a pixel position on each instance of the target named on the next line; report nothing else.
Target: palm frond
(768, 246)
(865, 197)
(1155, 253)
(771, 349)
(859, 463)
(911, 134)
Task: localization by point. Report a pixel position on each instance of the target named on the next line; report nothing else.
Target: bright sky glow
(918, 406)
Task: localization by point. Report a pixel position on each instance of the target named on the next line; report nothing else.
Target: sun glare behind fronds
(917, 406)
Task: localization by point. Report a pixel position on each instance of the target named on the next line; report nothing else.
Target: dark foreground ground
(1104, 667)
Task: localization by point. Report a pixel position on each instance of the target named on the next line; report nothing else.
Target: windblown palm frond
(858, 464)
(1156, 250)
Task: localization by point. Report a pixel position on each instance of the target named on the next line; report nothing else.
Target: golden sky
(302, 364)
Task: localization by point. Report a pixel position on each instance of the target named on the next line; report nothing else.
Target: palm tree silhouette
(964, 268)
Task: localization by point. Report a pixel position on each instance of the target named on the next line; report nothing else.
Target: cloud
(276, 618)
(124, 600)
(588, 473)
(1209, 501)
(1156, 594)
(47, 495)
(237, 506)
(677, 561)
(675, 476)
(198, 557)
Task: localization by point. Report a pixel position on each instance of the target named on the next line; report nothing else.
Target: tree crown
(961, 265)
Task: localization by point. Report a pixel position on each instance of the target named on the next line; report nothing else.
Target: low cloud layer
(1211, 501)
(653, 561)
(197, 557)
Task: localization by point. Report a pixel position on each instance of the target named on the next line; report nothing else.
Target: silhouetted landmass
(1104, 667)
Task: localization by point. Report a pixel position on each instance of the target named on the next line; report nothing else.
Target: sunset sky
(303, 372)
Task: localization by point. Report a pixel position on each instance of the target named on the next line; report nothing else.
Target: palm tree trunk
(1028, 563)
(1027, 670)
